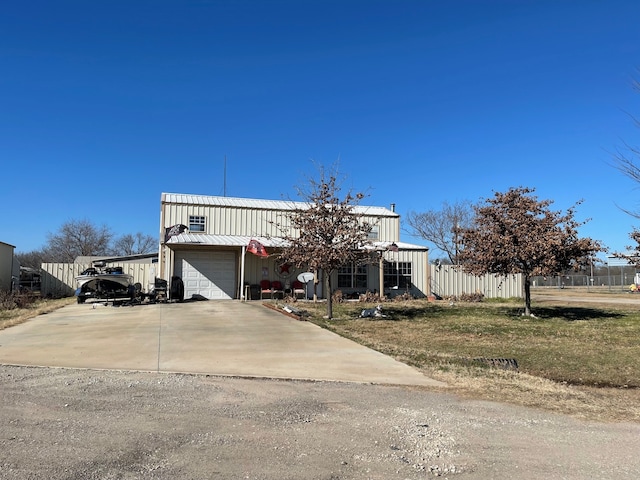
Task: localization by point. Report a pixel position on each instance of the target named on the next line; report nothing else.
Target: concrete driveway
(215, 337)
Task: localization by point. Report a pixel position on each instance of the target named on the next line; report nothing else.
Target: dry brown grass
(573, 359)
(15, 316)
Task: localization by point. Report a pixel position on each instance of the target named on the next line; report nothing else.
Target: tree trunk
(527, 295)
(327, 292)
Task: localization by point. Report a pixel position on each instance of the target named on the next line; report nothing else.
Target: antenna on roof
(224, 187)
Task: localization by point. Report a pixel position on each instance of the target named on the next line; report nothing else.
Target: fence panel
(58, 279)
(451, 280)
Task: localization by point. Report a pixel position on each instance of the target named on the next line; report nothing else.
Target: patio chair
(298, 289)
(265, 289)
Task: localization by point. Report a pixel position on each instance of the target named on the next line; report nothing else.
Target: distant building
(8, 268)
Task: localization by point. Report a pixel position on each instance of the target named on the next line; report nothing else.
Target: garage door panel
(210, 274)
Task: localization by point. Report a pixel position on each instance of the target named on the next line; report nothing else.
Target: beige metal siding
(264, 218)
(449, 280)
(229, 220)
(419, 261)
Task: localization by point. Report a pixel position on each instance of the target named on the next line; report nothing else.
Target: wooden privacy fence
(451, 280)
(59, 279)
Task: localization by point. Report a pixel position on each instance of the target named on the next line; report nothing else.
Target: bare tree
(77, 238)
(32, 259)
(134, 244)
(626, 161)
(443, 227)
(514, 232)
(330, 232)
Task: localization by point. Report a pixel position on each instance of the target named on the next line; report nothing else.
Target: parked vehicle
(104, 284)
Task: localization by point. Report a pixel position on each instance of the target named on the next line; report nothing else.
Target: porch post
(243, 295)
(381, 275)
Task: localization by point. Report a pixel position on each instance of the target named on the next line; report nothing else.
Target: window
(373, 234)
(397, 274)
(196, 223)
(352, 276)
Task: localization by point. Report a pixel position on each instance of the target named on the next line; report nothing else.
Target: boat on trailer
(102, 283)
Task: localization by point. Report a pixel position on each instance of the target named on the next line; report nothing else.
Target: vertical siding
(448, 280)
(222, 220)
(6, 266)
(418, 260)
(58, 279)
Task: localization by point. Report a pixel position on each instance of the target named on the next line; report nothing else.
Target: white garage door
(210, 274)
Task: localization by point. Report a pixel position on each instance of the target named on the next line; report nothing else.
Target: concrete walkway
(215, 337)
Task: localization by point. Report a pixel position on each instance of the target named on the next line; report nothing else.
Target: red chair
(265, 289)
(298, 289)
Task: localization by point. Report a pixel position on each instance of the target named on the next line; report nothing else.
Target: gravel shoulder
(89, 424)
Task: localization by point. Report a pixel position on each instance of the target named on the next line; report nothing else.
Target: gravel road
(86, 424)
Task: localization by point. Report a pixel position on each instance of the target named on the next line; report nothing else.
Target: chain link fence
(618, 281)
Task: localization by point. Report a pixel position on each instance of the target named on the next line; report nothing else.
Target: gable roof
(189, 199)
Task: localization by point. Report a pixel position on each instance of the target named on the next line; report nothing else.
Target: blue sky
(106, 104)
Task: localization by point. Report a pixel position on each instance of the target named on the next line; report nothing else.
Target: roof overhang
(222, 240)
(202, 239)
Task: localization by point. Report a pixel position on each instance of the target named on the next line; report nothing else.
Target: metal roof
(222, 240)
(188, 199)
(272, 242)
(401, 246)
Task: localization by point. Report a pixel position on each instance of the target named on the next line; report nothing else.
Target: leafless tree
(76, 238)
(443, 227)
(330, 233)
(33, 259)
(626, 160)
(134, 244)
(515, 233)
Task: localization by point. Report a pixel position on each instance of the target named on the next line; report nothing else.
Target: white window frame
(199, 222)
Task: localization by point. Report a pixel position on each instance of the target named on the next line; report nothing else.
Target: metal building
(204, 241)
(9, 268)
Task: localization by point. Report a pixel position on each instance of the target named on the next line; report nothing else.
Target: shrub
(11, 301)
(337, 296)
(404, 297)
(471, 297)
(466, 297)
(370, 297)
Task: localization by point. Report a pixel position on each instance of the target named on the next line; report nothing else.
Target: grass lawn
(572, 358)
